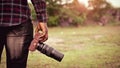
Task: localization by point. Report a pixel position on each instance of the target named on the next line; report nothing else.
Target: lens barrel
(49, 51)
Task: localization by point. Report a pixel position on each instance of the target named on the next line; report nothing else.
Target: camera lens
(49, 51)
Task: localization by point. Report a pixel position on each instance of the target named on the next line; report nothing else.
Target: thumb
(37, 29)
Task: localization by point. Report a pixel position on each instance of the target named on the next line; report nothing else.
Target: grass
(83, 47)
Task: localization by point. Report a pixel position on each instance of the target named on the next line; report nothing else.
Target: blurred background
(87, 32)
(81, 12)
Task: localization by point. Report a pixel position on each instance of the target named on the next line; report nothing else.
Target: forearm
(40, 9)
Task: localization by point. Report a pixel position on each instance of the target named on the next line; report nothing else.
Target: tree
(53, 7)
(100, 7)
(99, 4)
(75, 15)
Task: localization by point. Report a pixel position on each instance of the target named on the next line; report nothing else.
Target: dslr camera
(45, 49)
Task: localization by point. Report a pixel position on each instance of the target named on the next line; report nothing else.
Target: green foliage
(53, 7)
(33, 14)
(52, 11)
(78, 18)
(75, 16)
(53, 21)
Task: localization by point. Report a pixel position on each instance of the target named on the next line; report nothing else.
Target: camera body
(49, 51)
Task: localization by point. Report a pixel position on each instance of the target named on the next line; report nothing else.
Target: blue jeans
(16, 40)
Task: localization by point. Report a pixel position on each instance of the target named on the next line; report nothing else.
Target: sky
(115, 3)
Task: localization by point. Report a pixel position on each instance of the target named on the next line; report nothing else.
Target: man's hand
(43, 30)
(41, 34)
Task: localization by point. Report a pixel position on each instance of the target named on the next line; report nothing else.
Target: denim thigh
(17, 42)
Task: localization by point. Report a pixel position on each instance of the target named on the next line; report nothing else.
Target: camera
(49, 51)
(45, 49)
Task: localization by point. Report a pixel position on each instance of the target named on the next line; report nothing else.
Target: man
(16, 30)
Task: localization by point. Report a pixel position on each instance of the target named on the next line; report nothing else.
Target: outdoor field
(83, 47)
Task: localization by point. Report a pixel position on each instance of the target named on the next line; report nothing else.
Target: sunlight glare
(85, 2)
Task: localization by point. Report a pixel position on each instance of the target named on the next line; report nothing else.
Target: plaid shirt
(15, 12)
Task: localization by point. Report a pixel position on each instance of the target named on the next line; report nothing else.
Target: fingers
(43, 37)
(33, 46)
(42, 29)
